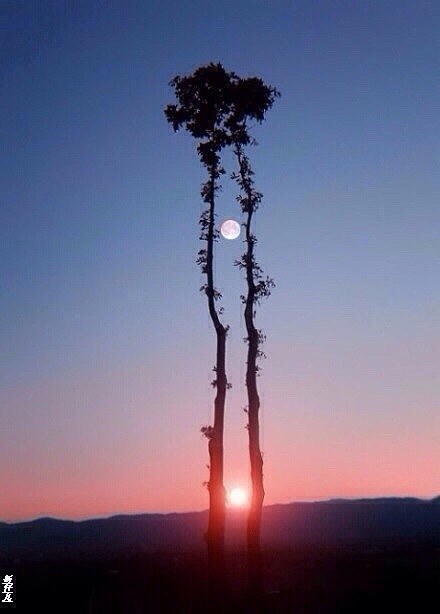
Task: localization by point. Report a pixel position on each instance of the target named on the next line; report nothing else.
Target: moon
(230, 229)
(237, 497)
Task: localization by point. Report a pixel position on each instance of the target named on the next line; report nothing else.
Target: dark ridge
(409, 500)
(321, 523)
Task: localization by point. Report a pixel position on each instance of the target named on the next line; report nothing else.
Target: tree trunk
(217, 510)
(255, 288)
(215, 536)
(255, 564)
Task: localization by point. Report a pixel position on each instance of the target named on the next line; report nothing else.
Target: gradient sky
(106, 346)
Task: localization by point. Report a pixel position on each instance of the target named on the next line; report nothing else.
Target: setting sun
(237, 497)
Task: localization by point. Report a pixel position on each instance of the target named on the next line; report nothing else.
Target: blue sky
(98, 222)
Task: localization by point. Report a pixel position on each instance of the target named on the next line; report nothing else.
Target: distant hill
(330, 522)
(398, 500)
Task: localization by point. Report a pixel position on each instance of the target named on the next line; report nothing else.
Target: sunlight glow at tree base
(237, 497)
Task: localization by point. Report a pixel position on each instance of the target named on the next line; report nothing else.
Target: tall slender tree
(215, 107)
(252, 98)
(202, 106)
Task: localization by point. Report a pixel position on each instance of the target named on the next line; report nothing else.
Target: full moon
(237, 497)
(230, 229)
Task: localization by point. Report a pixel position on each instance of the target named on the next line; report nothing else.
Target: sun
(237, 497)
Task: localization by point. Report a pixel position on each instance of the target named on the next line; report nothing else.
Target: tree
(252, 98)
(203, 105)
(215, 106)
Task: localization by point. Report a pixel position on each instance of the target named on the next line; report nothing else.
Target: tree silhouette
(252, 98)
(203, 105)
(215, 107)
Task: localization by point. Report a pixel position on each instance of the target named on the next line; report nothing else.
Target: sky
(106, 347)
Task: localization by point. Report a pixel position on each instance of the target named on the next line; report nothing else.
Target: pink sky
(124, 458)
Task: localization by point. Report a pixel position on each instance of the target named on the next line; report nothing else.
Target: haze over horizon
(106, 344)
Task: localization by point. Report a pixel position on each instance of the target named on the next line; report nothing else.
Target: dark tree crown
(214, 105)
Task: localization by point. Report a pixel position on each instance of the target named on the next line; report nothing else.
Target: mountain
(399, 500)
(330, 522)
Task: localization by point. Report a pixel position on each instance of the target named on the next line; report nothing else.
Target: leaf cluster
(214, 105)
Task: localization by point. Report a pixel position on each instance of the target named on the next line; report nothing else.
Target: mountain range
(283, 526)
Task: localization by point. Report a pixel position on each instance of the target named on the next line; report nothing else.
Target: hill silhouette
(287, 525)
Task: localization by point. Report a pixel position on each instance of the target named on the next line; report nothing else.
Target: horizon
(106, 347)
(229, 508)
